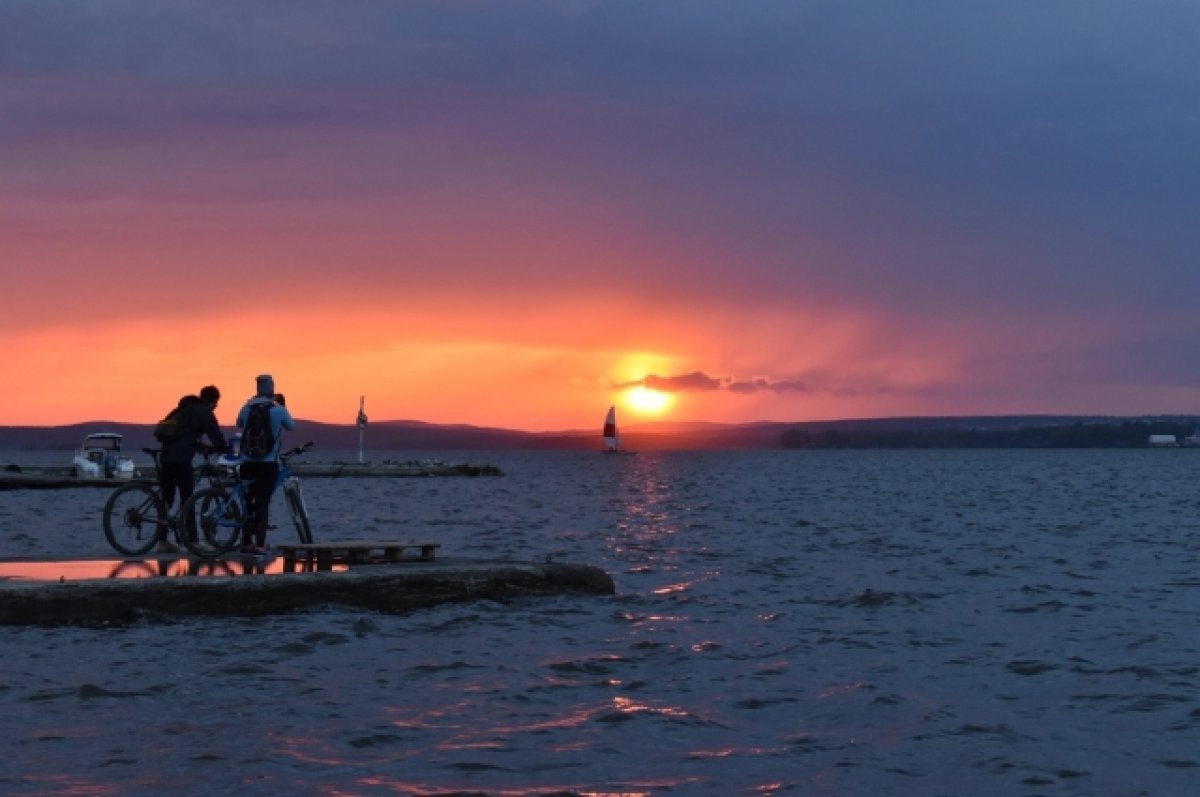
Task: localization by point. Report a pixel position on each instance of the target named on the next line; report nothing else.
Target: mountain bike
(219, 511)
(136, 515)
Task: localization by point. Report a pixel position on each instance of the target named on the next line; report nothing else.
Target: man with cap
(262, 471)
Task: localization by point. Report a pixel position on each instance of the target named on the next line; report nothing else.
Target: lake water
(807, 622)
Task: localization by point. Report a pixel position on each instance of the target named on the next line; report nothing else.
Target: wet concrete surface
(106, 591)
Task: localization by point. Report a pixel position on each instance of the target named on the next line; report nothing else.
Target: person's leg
(169, 483)
(185, 479)
(261, 476)
(251, 518)
(265, 487)
(249, 474)
(166, 483)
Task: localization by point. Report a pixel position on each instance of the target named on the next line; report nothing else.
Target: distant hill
(1115, 433)
(417, 435)
(673, 435)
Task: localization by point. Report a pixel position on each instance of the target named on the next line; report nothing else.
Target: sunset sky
(518, 213)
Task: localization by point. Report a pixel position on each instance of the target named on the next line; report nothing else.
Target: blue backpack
(258, 441)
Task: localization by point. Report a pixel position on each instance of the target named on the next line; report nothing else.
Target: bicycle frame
(293, 495)
(136, 516)
(221, 512)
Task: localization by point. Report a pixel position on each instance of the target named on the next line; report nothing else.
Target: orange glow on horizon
(550, 373)
(470, 359)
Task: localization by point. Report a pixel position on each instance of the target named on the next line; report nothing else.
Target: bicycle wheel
(133, 518)
(216, 516)
(295, 502)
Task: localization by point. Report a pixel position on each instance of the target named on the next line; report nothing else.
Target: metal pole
(362, 426)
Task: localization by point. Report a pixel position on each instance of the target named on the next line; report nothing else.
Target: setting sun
(648, 401)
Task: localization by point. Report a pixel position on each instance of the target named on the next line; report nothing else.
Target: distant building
(1163, 440)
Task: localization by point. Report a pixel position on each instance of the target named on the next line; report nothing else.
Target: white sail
(612, 439)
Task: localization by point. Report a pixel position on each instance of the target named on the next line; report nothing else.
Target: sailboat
(612, 438)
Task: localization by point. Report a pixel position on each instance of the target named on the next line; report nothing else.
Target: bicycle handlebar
(297, 450)
(203, 450)
(209, 452)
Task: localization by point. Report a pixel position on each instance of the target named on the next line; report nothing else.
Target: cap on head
(210, 393)
(266, 385)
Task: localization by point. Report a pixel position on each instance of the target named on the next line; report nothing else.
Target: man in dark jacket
(196, 420)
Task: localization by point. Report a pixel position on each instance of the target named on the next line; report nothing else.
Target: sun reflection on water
(838, 690)
(626, 705)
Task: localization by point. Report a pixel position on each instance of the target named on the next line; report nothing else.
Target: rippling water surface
(817, 623)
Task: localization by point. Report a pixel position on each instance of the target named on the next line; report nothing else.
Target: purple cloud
(761, 383)
(683, 383)
(698, 381)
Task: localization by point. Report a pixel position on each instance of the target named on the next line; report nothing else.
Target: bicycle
(136, 515)
(218, 510)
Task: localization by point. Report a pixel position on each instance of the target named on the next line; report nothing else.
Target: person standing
(196, 419)
(260, 458)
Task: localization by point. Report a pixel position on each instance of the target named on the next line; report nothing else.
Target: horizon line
(666, 423)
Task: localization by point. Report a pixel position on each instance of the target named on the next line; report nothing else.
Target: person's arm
(286, 420)
(213, 430)
(242, 413)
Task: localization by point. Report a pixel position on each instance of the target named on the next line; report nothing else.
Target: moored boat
(100, 457)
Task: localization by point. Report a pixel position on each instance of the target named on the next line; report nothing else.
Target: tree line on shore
(1129, 434)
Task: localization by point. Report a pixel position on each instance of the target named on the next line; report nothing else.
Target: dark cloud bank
(699, 382)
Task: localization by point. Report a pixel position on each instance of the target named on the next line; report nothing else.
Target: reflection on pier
(154, 567)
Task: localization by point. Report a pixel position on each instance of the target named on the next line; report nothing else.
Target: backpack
(258, 441)
(167, 430)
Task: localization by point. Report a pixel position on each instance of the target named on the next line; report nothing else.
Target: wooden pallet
(326, 554)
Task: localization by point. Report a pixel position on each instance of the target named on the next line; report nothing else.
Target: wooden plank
(325, 554)
(355, 544)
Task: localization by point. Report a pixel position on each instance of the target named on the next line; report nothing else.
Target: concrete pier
(102, 593)
(53, 477)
